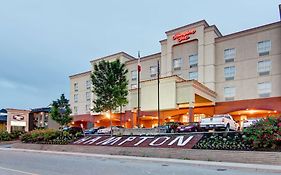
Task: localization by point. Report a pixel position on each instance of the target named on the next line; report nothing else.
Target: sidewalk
(253, 157)
(253, 167)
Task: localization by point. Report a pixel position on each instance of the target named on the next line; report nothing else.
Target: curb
(256, 167)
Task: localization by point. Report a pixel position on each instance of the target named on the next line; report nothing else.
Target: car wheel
(195, 130)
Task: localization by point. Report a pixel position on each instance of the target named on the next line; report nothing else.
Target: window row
(263, 68)
(87, 97)
(192, 60)
(87, 109)
(87, 85)
(153, 73)
(263, 89)
(263, 48)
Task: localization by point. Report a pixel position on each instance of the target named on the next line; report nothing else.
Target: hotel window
(193, 60)
(229, 55)
(88, 96)
(229, 93)
(134, 75)
(75, 98)
(75, 87)
(229, 73)
(153, 71)
(264, 89)
(264, 47)
(177, 63)
(88, 84)
(193, 75)
(134, 86)
(264, 67)
(87, 108)
(75, 109)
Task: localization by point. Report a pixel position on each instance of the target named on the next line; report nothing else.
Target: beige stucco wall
(82, 102)
(246, 60)
(209, 45)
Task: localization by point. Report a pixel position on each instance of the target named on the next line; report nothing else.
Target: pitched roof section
(144, 58)
(80, 74)
(116, 54)
(189, 25)
(248, 31)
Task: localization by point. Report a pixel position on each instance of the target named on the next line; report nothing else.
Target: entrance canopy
(175, 93)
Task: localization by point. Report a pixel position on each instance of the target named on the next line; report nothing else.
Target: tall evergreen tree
(110, 85)
(60, 111)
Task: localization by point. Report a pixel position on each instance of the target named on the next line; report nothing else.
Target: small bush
(5, 136)
(265, 134)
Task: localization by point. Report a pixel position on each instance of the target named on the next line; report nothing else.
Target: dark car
(73, 129)
(190, 127)
(172, 126)
(93, 130)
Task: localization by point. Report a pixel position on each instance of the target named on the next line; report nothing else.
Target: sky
(43, 42)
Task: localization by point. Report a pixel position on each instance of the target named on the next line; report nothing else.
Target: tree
(110, 86)
(60, 111)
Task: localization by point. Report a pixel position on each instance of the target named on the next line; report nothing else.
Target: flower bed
(49, 136)
(223, 142)
(265, 134)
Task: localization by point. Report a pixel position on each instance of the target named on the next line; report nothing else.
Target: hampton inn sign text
(184, 35)
(183, 141)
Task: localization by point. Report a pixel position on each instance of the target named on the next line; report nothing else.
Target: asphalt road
(32, 163)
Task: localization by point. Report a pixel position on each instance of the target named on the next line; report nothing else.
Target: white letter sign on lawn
(111, 141)
(142, 140)
(180, 141)
(154, 141)
(91, 141)
(82, 140)
(129, 139)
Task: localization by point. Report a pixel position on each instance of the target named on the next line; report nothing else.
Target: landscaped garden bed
(49, 136)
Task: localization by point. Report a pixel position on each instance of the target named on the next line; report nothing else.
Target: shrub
(217, 142)
(49, 136)
(265, 134)
(5, 136)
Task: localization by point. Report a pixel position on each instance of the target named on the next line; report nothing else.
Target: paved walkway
(255, 157)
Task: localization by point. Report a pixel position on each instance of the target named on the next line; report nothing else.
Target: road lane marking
(18, 171)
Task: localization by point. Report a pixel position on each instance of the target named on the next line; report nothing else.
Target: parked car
(219, 122)
(172, 126)
(190, 127)
(108, 129)
(73, 129)
(248, 123)
(93, 130)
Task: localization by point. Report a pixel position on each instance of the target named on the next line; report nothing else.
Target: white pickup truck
(219, 122)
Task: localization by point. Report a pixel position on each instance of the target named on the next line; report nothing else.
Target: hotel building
(202, 73)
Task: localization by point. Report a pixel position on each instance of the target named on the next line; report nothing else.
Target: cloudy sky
(42, 42)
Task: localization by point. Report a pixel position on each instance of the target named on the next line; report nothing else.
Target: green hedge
(5, 136)
(49, 136)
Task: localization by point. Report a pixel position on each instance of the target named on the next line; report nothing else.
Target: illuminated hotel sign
(178, 141)
(184, 35)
